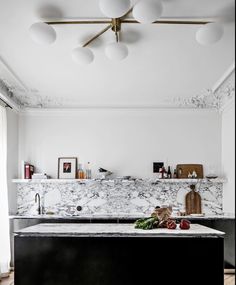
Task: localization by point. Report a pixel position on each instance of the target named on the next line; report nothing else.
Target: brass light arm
(98, 35)
(117, 37)
(171, 22)
(115, 24)
(175, 21)
(79, 22)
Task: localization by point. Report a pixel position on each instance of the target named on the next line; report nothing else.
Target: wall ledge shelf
(85, 181)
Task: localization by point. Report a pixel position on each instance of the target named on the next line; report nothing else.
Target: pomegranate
(171, 224)
(184, 224)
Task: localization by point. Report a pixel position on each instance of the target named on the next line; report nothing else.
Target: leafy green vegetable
(147, 223)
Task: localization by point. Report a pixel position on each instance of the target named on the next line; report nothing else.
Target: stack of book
(27, 170)
(39, 176)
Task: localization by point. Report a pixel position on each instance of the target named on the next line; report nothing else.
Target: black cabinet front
(118, 260)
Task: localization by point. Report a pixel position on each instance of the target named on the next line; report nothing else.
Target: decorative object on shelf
(81, 172)
(67, 167)
(126, 177)
(103, 173)
(193, 171)
(211, 176)
(88, 171)
(175, 211)
(40, 176)
(211, 172)
(29, 170)
(23, 169)
(118, 11)
(193, 202)
(156, 168)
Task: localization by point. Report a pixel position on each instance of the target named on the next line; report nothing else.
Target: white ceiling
(165, 62)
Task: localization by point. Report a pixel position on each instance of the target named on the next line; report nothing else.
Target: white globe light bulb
(114, 8)
(116, 51)
(42, 33)
(147, 11)
(209, 33)
(82, 55)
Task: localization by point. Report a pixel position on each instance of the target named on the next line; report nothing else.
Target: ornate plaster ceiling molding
(212, 98)
(14, 89)
(226, 91)
(5, 89)
(24, 97)
(35, 100)
(206, 100)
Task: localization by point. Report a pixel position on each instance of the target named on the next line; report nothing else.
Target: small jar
(175, 211)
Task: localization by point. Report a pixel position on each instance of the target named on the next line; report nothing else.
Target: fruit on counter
(171, 224)
(184, 224)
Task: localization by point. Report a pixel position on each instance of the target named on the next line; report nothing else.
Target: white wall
(228, 156)
(12, 157)
(126, 142)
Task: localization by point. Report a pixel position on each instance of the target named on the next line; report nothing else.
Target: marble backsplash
(115, 197)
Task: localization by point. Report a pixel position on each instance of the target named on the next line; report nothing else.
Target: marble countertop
(154, 180)
(114, 230)
(117, 217)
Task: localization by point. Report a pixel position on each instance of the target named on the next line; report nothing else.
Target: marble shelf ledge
(118, 217)
(114, 230)
(84, 181)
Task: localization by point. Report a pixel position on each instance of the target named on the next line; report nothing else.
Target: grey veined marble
(113, 230)
(115, 197)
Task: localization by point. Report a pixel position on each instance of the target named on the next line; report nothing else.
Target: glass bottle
(164, 173)
(160, 173)
(88, 171)
(81, 172)
(169, 174)
(175, 174)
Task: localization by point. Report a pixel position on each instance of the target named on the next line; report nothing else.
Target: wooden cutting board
(184, 169)
(193, 202)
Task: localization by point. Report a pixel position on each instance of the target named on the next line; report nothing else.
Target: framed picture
(157, 166)
(67, 167)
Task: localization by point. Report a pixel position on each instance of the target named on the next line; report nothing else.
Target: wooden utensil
(184, 169)
(193, 202)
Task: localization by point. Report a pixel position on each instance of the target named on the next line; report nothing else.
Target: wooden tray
(184, 169)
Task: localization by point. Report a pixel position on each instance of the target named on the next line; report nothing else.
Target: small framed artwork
(157, 166)
(67, 167)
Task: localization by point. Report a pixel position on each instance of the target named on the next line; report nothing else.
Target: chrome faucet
(37, 199)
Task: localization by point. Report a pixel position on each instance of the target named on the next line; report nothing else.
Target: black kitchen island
(117, 254)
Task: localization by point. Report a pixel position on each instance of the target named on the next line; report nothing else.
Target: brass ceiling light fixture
(117, 12)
